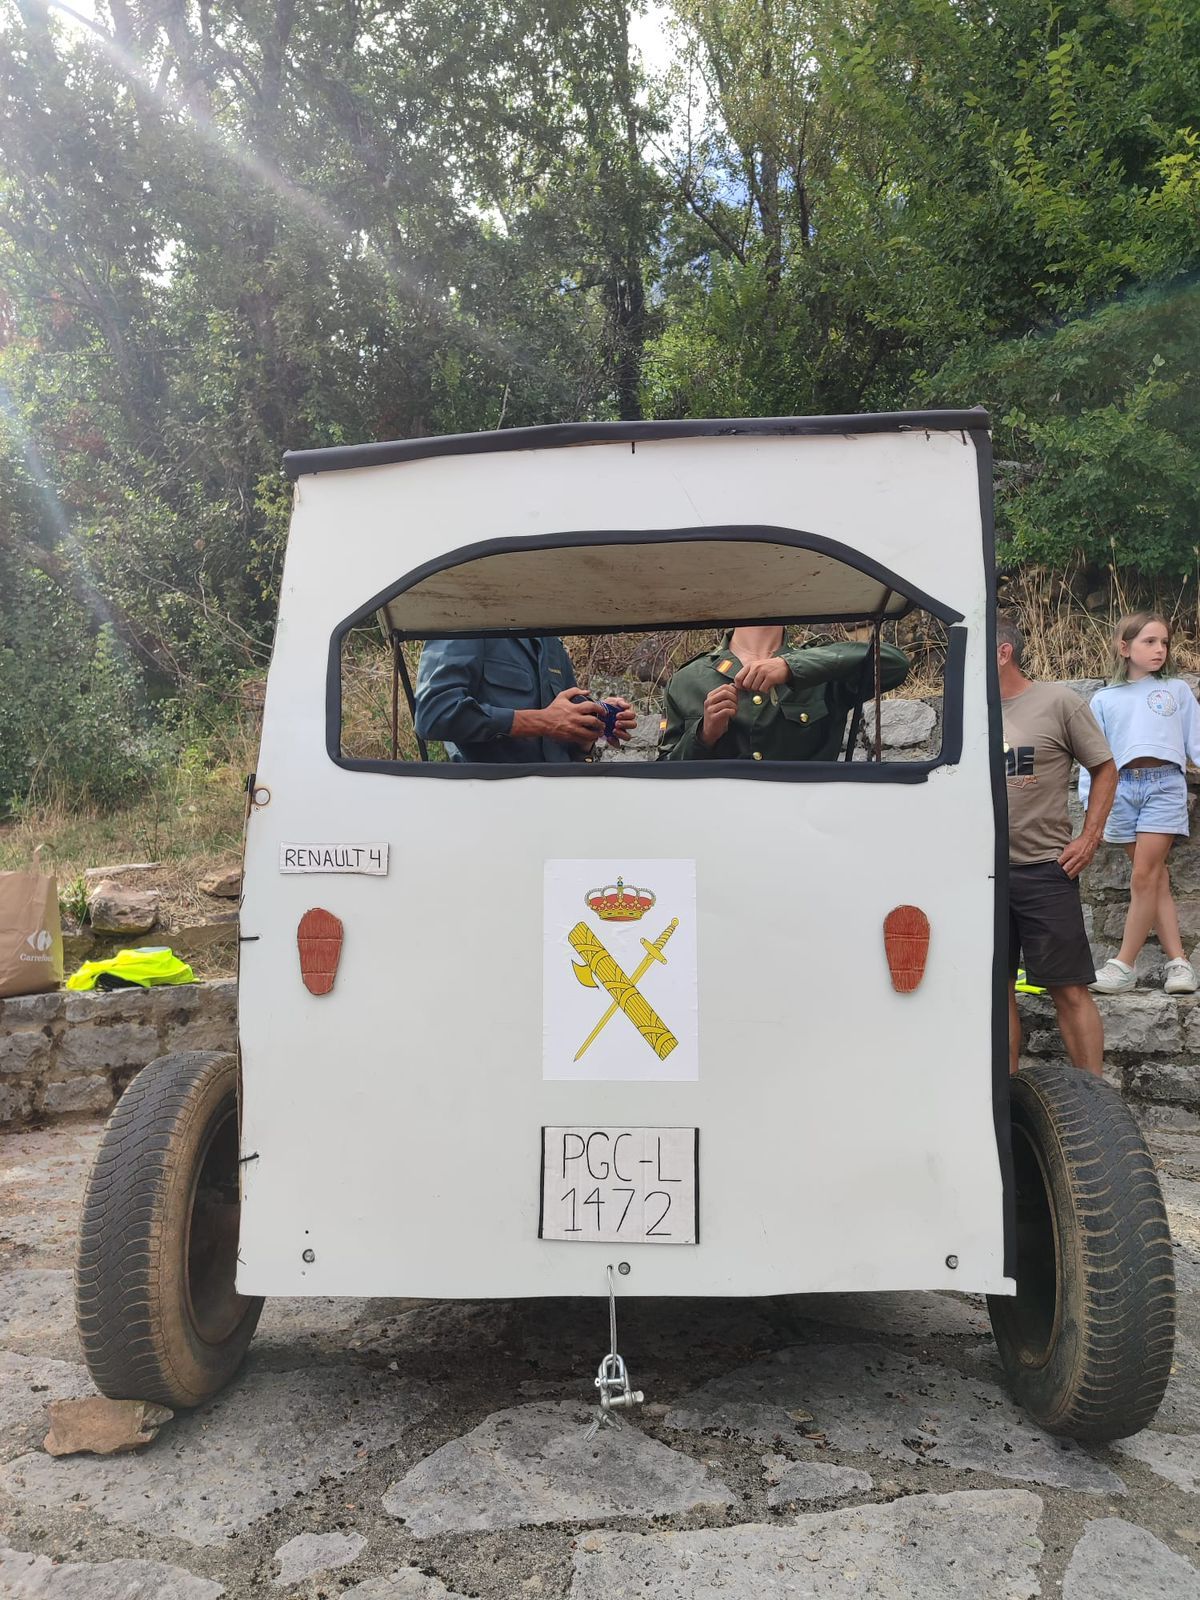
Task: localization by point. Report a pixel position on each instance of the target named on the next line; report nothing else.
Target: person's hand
(572, 719)
(1078, 855)
(770, 673)
(626, 720)
(720, 704)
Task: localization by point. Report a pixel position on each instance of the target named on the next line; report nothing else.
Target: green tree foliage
(955, 203)
(72, 718)
(225, 231)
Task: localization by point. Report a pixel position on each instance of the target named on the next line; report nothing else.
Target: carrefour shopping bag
(31, 952)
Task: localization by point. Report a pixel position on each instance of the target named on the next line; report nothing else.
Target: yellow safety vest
(144, 967)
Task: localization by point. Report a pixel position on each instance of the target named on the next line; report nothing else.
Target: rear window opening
(873, 680)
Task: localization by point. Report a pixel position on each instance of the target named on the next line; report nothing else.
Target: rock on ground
(101, 1426)
(812, 1482)
(228, 1463)
(226, 884)
(533, 1464)
(310, 1553)
(116, 910)
(864, 1397)
(969, 1545)
(1173, 1456)
(407, 1584)
(26, 1577)
(1115, 1560)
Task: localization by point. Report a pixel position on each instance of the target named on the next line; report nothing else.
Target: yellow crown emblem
(616, 903)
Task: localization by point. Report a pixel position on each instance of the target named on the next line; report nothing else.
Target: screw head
(308, 1255)
(624, 1268)
(952, 1262)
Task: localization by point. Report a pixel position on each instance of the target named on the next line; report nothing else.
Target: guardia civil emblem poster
(619, 971)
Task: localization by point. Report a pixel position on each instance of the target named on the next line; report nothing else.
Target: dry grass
(188, 822)
(1066, 639)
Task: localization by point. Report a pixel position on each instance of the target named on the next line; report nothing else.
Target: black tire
(1088, 1339)
(158, 1315)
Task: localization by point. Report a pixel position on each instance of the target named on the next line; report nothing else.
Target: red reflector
(906, 940)
(319, 937)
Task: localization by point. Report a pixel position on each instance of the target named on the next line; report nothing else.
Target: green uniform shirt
(802, 720)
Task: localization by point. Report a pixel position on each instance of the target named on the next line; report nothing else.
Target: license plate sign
(620, 1185)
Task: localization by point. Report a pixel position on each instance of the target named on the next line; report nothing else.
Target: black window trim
(760, 771)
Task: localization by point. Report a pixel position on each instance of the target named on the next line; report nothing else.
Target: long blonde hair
(1126, 632)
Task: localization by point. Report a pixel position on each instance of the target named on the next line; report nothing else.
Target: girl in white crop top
(1152, 724)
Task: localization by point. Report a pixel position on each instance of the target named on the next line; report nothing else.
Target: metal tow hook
(612, 1377)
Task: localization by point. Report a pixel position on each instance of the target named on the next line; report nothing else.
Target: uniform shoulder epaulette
(702, 656)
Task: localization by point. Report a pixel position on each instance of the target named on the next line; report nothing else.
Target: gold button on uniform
(758, 699)
(804, 716)
(758, 755)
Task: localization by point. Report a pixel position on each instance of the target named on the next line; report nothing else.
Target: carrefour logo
(40, 940)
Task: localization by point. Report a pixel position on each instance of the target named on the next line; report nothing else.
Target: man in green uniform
(752, 698)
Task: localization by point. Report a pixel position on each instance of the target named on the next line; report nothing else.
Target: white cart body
(850, 1137)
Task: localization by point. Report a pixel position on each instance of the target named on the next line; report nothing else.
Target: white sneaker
(1179, 977)
(1114, 977)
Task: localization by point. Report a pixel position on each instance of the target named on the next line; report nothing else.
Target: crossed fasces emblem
(597, 969)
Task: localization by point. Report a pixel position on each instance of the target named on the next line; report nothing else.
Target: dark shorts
(1045, 925)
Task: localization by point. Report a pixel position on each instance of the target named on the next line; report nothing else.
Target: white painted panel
(846, 1131)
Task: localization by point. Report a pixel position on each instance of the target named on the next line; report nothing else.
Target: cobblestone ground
(401, 1450)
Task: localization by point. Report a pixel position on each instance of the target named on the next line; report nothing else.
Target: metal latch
(612, 1377)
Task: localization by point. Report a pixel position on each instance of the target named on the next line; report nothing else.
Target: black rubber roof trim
(342, 458)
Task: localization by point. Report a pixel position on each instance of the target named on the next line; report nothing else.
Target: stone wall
(66, 1051)
(1151, 1046)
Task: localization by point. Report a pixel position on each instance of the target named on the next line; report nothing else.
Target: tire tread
(121, 1246)
(1126, 1307)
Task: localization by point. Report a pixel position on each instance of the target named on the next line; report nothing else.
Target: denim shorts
(1149, 800)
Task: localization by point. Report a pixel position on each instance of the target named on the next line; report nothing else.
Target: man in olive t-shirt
(1046, 728)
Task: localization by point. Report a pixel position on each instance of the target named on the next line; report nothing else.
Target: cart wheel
(1087, 1340)
(159, 1317)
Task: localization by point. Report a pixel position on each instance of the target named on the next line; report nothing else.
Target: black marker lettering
(652, 1230)
(661, 1179)
(616, 1147)
(576, 1155)
(599, 1134)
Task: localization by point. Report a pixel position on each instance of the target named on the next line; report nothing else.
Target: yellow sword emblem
(600, 970)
